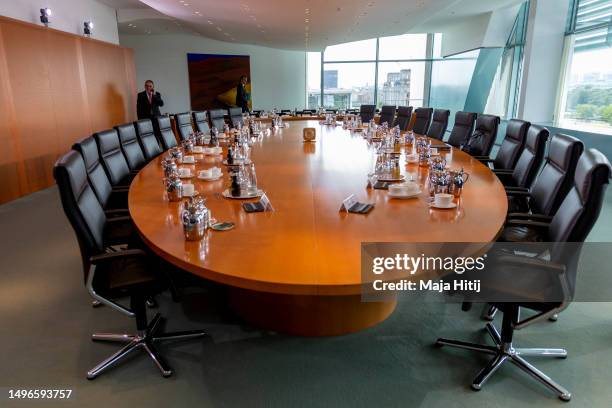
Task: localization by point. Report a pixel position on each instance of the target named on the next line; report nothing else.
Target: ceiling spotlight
(87, 28)
(45, 13)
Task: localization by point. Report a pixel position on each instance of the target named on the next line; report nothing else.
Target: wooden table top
(306, 246)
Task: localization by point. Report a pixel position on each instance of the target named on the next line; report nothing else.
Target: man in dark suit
(242, 96)
(148, 102)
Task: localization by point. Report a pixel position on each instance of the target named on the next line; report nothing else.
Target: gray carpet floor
(46, 320)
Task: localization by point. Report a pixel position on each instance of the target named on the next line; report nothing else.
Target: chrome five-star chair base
(504, 351)
(143, 340)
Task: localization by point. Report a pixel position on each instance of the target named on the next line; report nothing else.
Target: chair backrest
(80, 205)
(183, 125)
(481, 141)
(235, 115)
(147, 139)
(387, 113)
(216, 117)
(366, 112)
(102, 188)
(531, 157)
(582, 204)
(512, 145)
(438, 126)
(111, 156)
(404, 113)
(130, 147)
(462, 129)
(557, 176)
(165, 133)
(200, 121)
(423, 119)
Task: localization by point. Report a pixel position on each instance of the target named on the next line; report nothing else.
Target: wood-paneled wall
(55, 88)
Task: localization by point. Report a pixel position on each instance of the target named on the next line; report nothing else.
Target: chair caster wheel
(476, 387)
(565, 397)
(151, 303)
(437, 344)
(167, 374)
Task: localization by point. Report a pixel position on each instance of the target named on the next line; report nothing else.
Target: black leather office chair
(112, 158)
(571, 224)
(462, 129)
(529, 162)
(552, 183)
(165, 133)
(511, 147)
(200, 121)
(481, 141)
(404, 113)
(110, 198)
(422, 120)
(366, 112)
(109, 275)
(130, 147)
(439, 123)
(217, 120)
(387, 114)
(183, 125)
(235, 115)
(147, 139)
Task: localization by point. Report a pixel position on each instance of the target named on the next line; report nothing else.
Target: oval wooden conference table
(297, 269)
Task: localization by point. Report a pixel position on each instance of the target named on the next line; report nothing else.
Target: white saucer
(405, 196)
(210, 178)
(400, 178)
(185, 176)
(228, 194)
(195, 193)
(237, 162)
(451, 205)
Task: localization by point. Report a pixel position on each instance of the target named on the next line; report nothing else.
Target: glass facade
(585, 102)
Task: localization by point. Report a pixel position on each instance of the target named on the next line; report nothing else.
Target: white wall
(68, 15)
(277, 76)
(542, 60)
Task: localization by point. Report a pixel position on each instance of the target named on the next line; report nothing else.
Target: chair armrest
(521, 193)
(503, 171)
(122, 218)
(117, 211)
(542, 217)
(516, 188)
(120, 189)
(96, 259)
(527, 223)
(541, 264)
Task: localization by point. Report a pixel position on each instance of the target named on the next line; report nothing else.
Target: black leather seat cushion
(129, 145)
(366, 112)
(512, 145)
(404, 113)
(235, 115)
(148, 141)
(439, 124)
(112, 157)
(423, 118)
(217, 118)
(183, 125)
(462, 129)
(165, 133)
(200, 120)
(387, 113)
(481, 141)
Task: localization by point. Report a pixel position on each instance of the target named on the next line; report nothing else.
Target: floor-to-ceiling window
(585, 102)
(381, 71)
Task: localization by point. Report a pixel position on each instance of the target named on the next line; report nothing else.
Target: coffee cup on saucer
(443, 200)
(188, 159)
(198, 149)
(184, 172)
(188, 190)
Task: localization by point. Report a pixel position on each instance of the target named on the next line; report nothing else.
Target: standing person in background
(242, 96)
(148, 102)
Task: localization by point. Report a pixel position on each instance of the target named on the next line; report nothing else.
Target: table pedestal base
(307, 315)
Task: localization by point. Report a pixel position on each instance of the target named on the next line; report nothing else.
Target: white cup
(205, 173)
(443, 199)
(198, 149)
(188, 190)
(411, 187)
(188, 159)
(184, 172)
